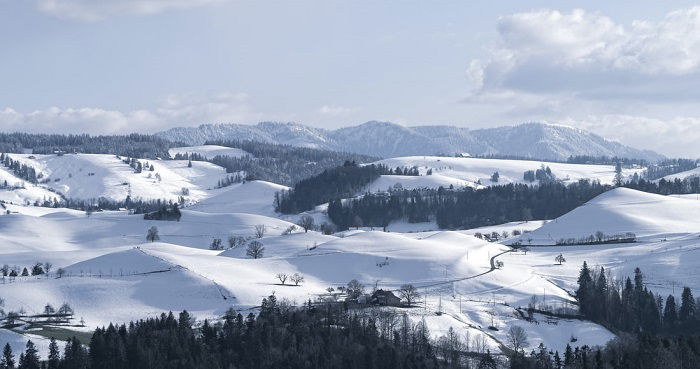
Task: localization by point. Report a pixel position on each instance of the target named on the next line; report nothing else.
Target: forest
(283, 164)
(464, 208)
(279, 336)
(133, 145)
(337, 183)
(652, 333)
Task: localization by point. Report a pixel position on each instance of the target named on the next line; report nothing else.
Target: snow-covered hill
(91, 176)
(110, 274)
(683, 175)
(619, 211)
(383, 139)
(475, 172)
(254, 197)
(208, 151)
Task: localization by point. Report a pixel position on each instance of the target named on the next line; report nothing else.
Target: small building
(385, 298)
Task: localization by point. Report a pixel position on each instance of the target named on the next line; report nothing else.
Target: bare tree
(255, 250)
(409, 293)
(306, 222)
(260, 230)
(60, 272)
(289, 230)
(297, 279)
(236, 241)
(525, 249)
(282, 277)
(152, 234)
(560, 259)
(47, 267)
(355, 289)
(599, 236)
(517, 338)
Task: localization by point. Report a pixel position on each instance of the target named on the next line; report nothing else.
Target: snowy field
(208, 151)
(475, 172)
(91, 176)
(110, 273)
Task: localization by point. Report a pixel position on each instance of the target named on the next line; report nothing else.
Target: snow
(387, 182)
(622, 210)
(91, 176)
(208, 151)
(255, 197)
(683, 175)
(113, 275)
(471, 171)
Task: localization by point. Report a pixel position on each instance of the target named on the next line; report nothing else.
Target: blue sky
(624, 69)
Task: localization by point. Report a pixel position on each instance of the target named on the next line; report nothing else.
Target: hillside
(106, 279)
(207, 151)
(622, 210)
(531, 140)
(475, 171)
(93, 176)
(254, 197)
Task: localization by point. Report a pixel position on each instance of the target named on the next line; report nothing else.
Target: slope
(91, 176)
(622, 210)
(479, 171)
(255, 197)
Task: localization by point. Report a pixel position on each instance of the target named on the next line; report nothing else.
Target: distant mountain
(530, 140)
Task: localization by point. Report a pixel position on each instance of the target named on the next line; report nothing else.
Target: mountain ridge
(385, 139)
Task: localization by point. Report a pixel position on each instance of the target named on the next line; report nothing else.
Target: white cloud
(634, 82)
(676, 137)
(175, 110)
(591, 55)
(334, 110)
(96, 10)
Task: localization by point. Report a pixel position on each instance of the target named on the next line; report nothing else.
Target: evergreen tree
(8, 359)
(30, 359)
(670, 313)
(686, 313)
(54, 357)
(585, 289)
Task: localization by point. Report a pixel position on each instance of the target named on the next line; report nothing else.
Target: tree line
(279, 336)
(651, 333)
(465, 207)
(283, 164)
(630, 307)
(340, 182)
(133, 145)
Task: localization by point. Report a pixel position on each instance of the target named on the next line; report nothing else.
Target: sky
(626, 70)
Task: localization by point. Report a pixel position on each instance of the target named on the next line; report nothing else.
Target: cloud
(334, 110)
(174, 110)
(592, 56)
(676, 137)
(96, 10)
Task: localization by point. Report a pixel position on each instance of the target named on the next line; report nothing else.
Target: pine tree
(8, 359)
(686, 313)
(670, 313)
(585, 289)
(568, 356)
(54, 355)
(30, 359)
